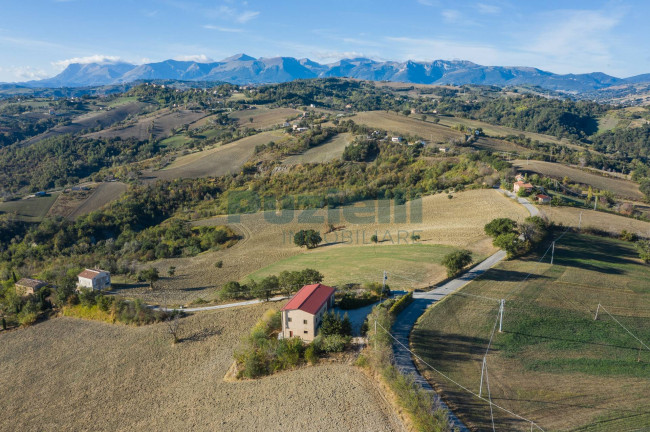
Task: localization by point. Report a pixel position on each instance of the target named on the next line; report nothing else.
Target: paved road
(221, 306)
(422, 300)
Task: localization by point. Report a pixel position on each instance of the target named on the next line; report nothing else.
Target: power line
(626, 329)
(532, 423)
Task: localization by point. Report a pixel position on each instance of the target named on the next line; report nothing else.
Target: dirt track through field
(71, 374)
(330, 150)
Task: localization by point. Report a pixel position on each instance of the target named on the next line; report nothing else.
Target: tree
(150, 275)
(171, 271)
(231, 290)
(310, 276)
(346, 325)
(643, 247)
(374, 239)
(511, 243)
(456, 261)
(309, 238)
(331, 324)
(499, 226)
(265, 288)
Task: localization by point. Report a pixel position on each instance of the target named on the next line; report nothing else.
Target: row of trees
(286, 283)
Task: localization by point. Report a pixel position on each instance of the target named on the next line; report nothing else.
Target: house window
(289, 319)
(304, 321)
(306, 332)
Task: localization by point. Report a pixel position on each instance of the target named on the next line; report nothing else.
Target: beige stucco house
(302, 316)
(94, 279)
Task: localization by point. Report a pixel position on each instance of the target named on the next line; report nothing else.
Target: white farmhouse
(94, 279)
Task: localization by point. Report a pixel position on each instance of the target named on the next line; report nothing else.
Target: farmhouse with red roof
(302, 316)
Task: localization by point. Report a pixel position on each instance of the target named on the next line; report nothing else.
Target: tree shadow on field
(447, 347)
(202, 335)
(199, 288)
(577, 341)
(497, 274)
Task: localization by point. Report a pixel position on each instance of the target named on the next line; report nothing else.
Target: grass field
(217, 161)
(553, 363)
(620, 187)
(330, 150)
(158, 124)
(361, 264)
(103, 119)
(265, 243)
(30, 209)
(606, 221)
(263, 118)
(89, 375)
(406, 125)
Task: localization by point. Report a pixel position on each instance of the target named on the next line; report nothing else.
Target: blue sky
(38, 38)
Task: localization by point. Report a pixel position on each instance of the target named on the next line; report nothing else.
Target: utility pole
(383, 286)
(595, 202)
(375, 335)
(580, 221)
(502, 306)
(597, 309)
(483, 367)
(552, 251)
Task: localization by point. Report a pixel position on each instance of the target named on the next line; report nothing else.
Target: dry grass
(406, 125)
(263, 118)
(70, 374)
(553, 364)
(216, 161)
(622, 188)
(103, 119)
(606, 221)
(457, 222)
(330, 150)
(158, 124)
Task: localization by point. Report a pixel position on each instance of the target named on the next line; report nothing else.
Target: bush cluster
(88, 303)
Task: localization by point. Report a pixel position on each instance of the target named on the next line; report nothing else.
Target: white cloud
(451, 15)
(222, 29)
(246, 16)
(199, 58)
(488, 9)
(97, 58)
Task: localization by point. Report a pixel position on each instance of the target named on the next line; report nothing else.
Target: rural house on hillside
(302, 316)
(521, 185)
(26, 286)
(94, 279)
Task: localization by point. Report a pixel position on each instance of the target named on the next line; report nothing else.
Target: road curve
(406, 320)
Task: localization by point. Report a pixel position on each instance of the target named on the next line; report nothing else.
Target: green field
(359, 264)
(553, 363)
(30, 209)
(329, 150)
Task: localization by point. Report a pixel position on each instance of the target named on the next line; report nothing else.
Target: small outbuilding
(302, 316)
(27, 286)
(543, 199)
(94, 279)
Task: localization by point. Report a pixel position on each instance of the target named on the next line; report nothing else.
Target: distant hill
(244, 69)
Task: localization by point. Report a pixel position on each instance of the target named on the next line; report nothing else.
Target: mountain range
(244, 69)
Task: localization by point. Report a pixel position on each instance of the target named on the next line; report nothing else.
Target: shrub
(218, 264)
(401, 303)
(628, 236)
(27, 317)
(287, 354)
(310, 354)
(333, 343)
(643, 247)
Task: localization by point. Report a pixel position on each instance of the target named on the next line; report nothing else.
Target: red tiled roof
(542, 196)
(310, 298)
